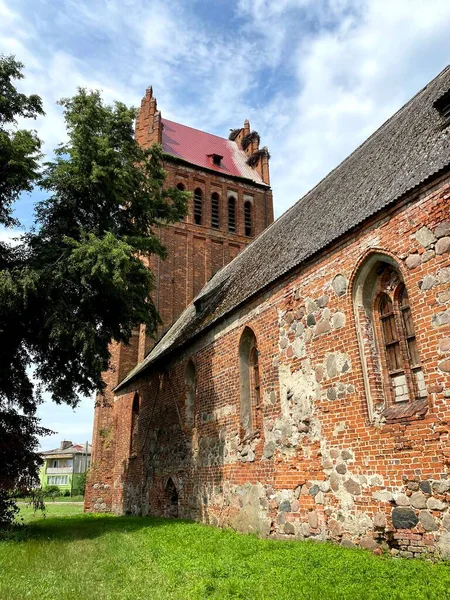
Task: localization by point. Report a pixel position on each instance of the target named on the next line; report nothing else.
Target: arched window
(134, 440)
(198, 206)
(232, 214)
(190, 380)
(393, 374)
(249, 378)
(215, 210)
(181, 187)
(248, 218)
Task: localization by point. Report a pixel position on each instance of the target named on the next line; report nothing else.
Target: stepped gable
(196, 146)
(408, 149)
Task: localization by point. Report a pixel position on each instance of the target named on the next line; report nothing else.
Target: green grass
(57, 499)
(71, 555)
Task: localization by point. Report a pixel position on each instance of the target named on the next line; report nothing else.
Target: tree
(19, 158)
(78, 281)
(19, 148)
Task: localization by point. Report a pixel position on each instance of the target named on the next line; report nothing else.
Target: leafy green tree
(20, 151)
(78, 281)
(19, 148)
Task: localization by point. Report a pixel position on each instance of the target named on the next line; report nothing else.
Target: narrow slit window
(198, 206)
(215, 221)
(248, 218)
(232, 214)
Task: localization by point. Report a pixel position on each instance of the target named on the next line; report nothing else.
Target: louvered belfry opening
(198, 201)
(215, 210)
(232, 214)
(248, 218)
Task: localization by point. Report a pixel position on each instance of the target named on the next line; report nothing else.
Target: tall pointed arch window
(393, 374)
(134, 440)
(249, 379)
(232, 214)
(215, 219)
(198, 206)
(248, 218)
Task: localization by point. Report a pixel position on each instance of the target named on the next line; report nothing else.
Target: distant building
(64, 466)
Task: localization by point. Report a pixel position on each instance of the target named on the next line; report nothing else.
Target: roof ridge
(196, 129)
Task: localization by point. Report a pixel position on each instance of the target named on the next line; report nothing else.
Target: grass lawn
(71, 555)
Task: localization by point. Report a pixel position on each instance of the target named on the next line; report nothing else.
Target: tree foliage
(19, 148)
(78, 279)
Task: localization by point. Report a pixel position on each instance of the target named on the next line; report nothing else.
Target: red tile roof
(197, 147)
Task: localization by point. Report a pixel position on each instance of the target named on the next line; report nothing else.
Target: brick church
(300, 387)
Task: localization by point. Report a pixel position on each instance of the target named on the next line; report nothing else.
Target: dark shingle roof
(404, 152)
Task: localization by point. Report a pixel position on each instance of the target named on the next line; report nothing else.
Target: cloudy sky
(315, 78)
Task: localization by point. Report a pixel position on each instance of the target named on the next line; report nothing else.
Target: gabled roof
(196, 147)
(74, 449)
(406, 151)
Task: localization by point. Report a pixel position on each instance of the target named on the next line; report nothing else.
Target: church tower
(231, 204)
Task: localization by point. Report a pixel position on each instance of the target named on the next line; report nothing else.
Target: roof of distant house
(406, 151)
(196, 147)
(73, 449)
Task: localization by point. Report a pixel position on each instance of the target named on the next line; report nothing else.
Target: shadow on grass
(87, 527)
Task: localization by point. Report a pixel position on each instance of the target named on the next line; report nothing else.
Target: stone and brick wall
(320, 461)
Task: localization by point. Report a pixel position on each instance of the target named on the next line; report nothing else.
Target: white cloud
(10, 236)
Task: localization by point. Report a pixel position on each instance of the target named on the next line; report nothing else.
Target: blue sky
(315, 78)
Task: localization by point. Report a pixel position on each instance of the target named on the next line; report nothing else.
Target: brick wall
(320, 460)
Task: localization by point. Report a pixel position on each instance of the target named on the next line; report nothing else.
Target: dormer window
(216, 159)
(442, 105)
